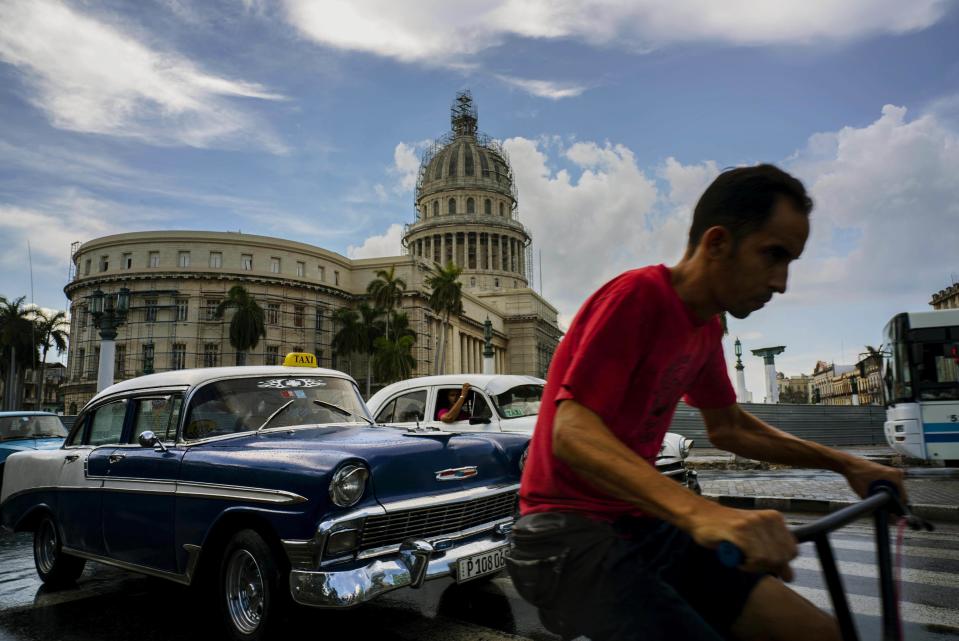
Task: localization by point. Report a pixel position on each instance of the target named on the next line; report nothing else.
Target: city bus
(921, 377)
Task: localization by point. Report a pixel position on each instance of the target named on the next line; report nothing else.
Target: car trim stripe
(182, 579)
(190, 490)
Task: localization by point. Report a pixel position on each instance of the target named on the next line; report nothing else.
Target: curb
(933, 512)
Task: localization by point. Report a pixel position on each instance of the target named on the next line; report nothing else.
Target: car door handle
(117, 457)
(70, 458)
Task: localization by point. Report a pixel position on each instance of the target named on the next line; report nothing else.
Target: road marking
(868, 570)
(907, 550)
(870, 606)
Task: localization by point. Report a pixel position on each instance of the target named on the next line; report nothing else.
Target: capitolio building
(466, 212)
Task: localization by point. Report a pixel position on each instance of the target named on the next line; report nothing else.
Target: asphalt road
(110, 604)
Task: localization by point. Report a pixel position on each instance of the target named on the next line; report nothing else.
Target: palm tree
(393, 360)
(401, 325)
(248, 324)
(446, 299)
(386, 291)
(372, 328)
(52, 331)
(349, 338)
(17, 344)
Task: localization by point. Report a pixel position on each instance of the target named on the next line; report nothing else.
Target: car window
(30, 426)
(518, 401)
(474, 407)
(107, 423)
(410, 407)
(246, 404)
(158, 415)
(479, 408)
(386, 414)
(76, 432)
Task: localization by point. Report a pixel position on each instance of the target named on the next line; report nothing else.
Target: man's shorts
(633, 579)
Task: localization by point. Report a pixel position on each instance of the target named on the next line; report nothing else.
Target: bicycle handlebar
(882, 494)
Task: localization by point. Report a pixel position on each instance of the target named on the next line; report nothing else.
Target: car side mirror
(149, 439)
(478, 420)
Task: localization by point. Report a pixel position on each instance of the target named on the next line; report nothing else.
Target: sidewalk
(934, 496)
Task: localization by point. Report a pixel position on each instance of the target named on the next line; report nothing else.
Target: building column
(443, 249)
(489, 251)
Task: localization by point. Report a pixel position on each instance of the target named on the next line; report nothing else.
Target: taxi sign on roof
(299, 359)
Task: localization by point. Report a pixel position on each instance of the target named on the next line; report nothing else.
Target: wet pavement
(109, 604)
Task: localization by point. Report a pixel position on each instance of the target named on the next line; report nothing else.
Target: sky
(306, 119)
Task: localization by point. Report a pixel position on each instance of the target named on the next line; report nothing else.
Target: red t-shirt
(633, 350)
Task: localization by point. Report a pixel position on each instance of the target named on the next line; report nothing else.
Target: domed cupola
(466, 206)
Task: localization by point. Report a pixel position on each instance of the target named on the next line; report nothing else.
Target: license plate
(481, 564)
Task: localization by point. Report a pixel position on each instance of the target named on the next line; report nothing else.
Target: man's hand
(860, 473)
(761, 535)
(466, 389)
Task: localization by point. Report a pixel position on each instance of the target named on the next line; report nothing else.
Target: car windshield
(522, 400)
(247, 404)
(17, 427)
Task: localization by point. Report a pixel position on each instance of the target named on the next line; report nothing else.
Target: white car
(497, 403)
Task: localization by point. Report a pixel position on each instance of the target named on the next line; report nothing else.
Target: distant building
(794, 389)
(55, 375)
(859, 384)
(947, 298)
(466, 213)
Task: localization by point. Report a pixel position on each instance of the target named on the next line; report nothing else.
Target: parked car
(22, 431)
(271, 484)
(497, 403)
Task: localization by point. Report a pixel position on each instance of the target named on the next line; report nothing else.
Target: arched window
(488, 207)
(502, 210)
(495, 282)
(468, 162)
(451, 206)
(470, 206)
(484, 164)
(436, 208)
(453, 154)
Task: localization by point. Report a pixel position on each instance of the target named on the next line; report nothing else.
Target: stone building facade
(177, 278)
(947, 298)
(859, 384)
(794, 389)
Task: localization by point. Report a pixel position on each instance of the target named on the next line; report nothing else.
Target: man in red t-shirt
(609, 548)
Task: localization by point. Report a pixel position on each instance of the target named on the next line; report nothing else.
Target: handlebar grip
(729, 554)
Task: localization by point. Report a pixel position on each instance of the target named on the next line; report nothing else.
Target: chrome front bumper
(416, 562)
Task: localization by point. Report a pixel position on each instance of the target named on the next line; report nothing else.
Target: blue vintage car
(24, 431)
(270, 485)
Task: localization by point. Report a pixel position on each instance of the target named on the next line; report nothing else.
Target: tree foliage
(446, 299)
(248, 324)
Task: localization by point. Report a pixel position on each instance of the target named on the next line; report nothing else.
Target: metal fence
(826, 424)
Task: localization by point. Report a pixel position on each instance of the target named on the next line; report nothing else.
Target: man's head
(748, 225)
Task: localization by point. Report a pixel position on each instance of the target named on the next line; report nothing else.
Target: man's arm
(585, 444)
(453, 414)
(736, 430)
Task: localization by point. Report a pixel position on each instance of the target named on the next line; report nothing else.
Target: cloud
(93, 77)
(440, 33)
(387, 244)
(543, 88)
(593, 215)
(406, 164)
(891, 188)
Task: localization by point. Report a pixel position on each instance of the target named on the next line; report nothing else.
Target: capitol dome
(466, 207)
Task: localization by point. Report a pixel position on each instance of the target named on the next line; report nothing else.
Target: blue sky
(306, 119)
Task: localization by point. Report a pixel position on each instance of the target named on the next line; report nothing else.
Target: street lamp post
(742, 396)
(109, 311)
(488, 363)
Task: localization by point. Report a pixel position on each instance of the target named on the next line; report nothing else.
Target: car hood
(403, 464)
(23, 444)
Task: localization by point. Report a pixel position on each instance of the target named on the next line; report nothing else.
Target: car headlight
(684, 446)
(348, 485)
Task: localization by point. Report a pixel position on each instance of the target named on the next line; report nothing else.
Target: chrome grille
(431, 522)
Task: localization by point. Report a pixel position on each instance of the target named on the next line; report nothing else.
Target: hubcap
(45, 546)
(244, 591)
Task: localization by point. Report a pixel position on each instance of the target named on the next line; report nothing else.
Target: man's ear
(717, 242)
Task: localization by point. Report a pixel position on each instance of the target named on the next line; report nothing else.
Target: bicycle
(882, 501)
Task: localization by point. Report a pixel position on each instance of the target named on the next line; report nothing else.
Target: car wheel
(54, 567)
(251, 590)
